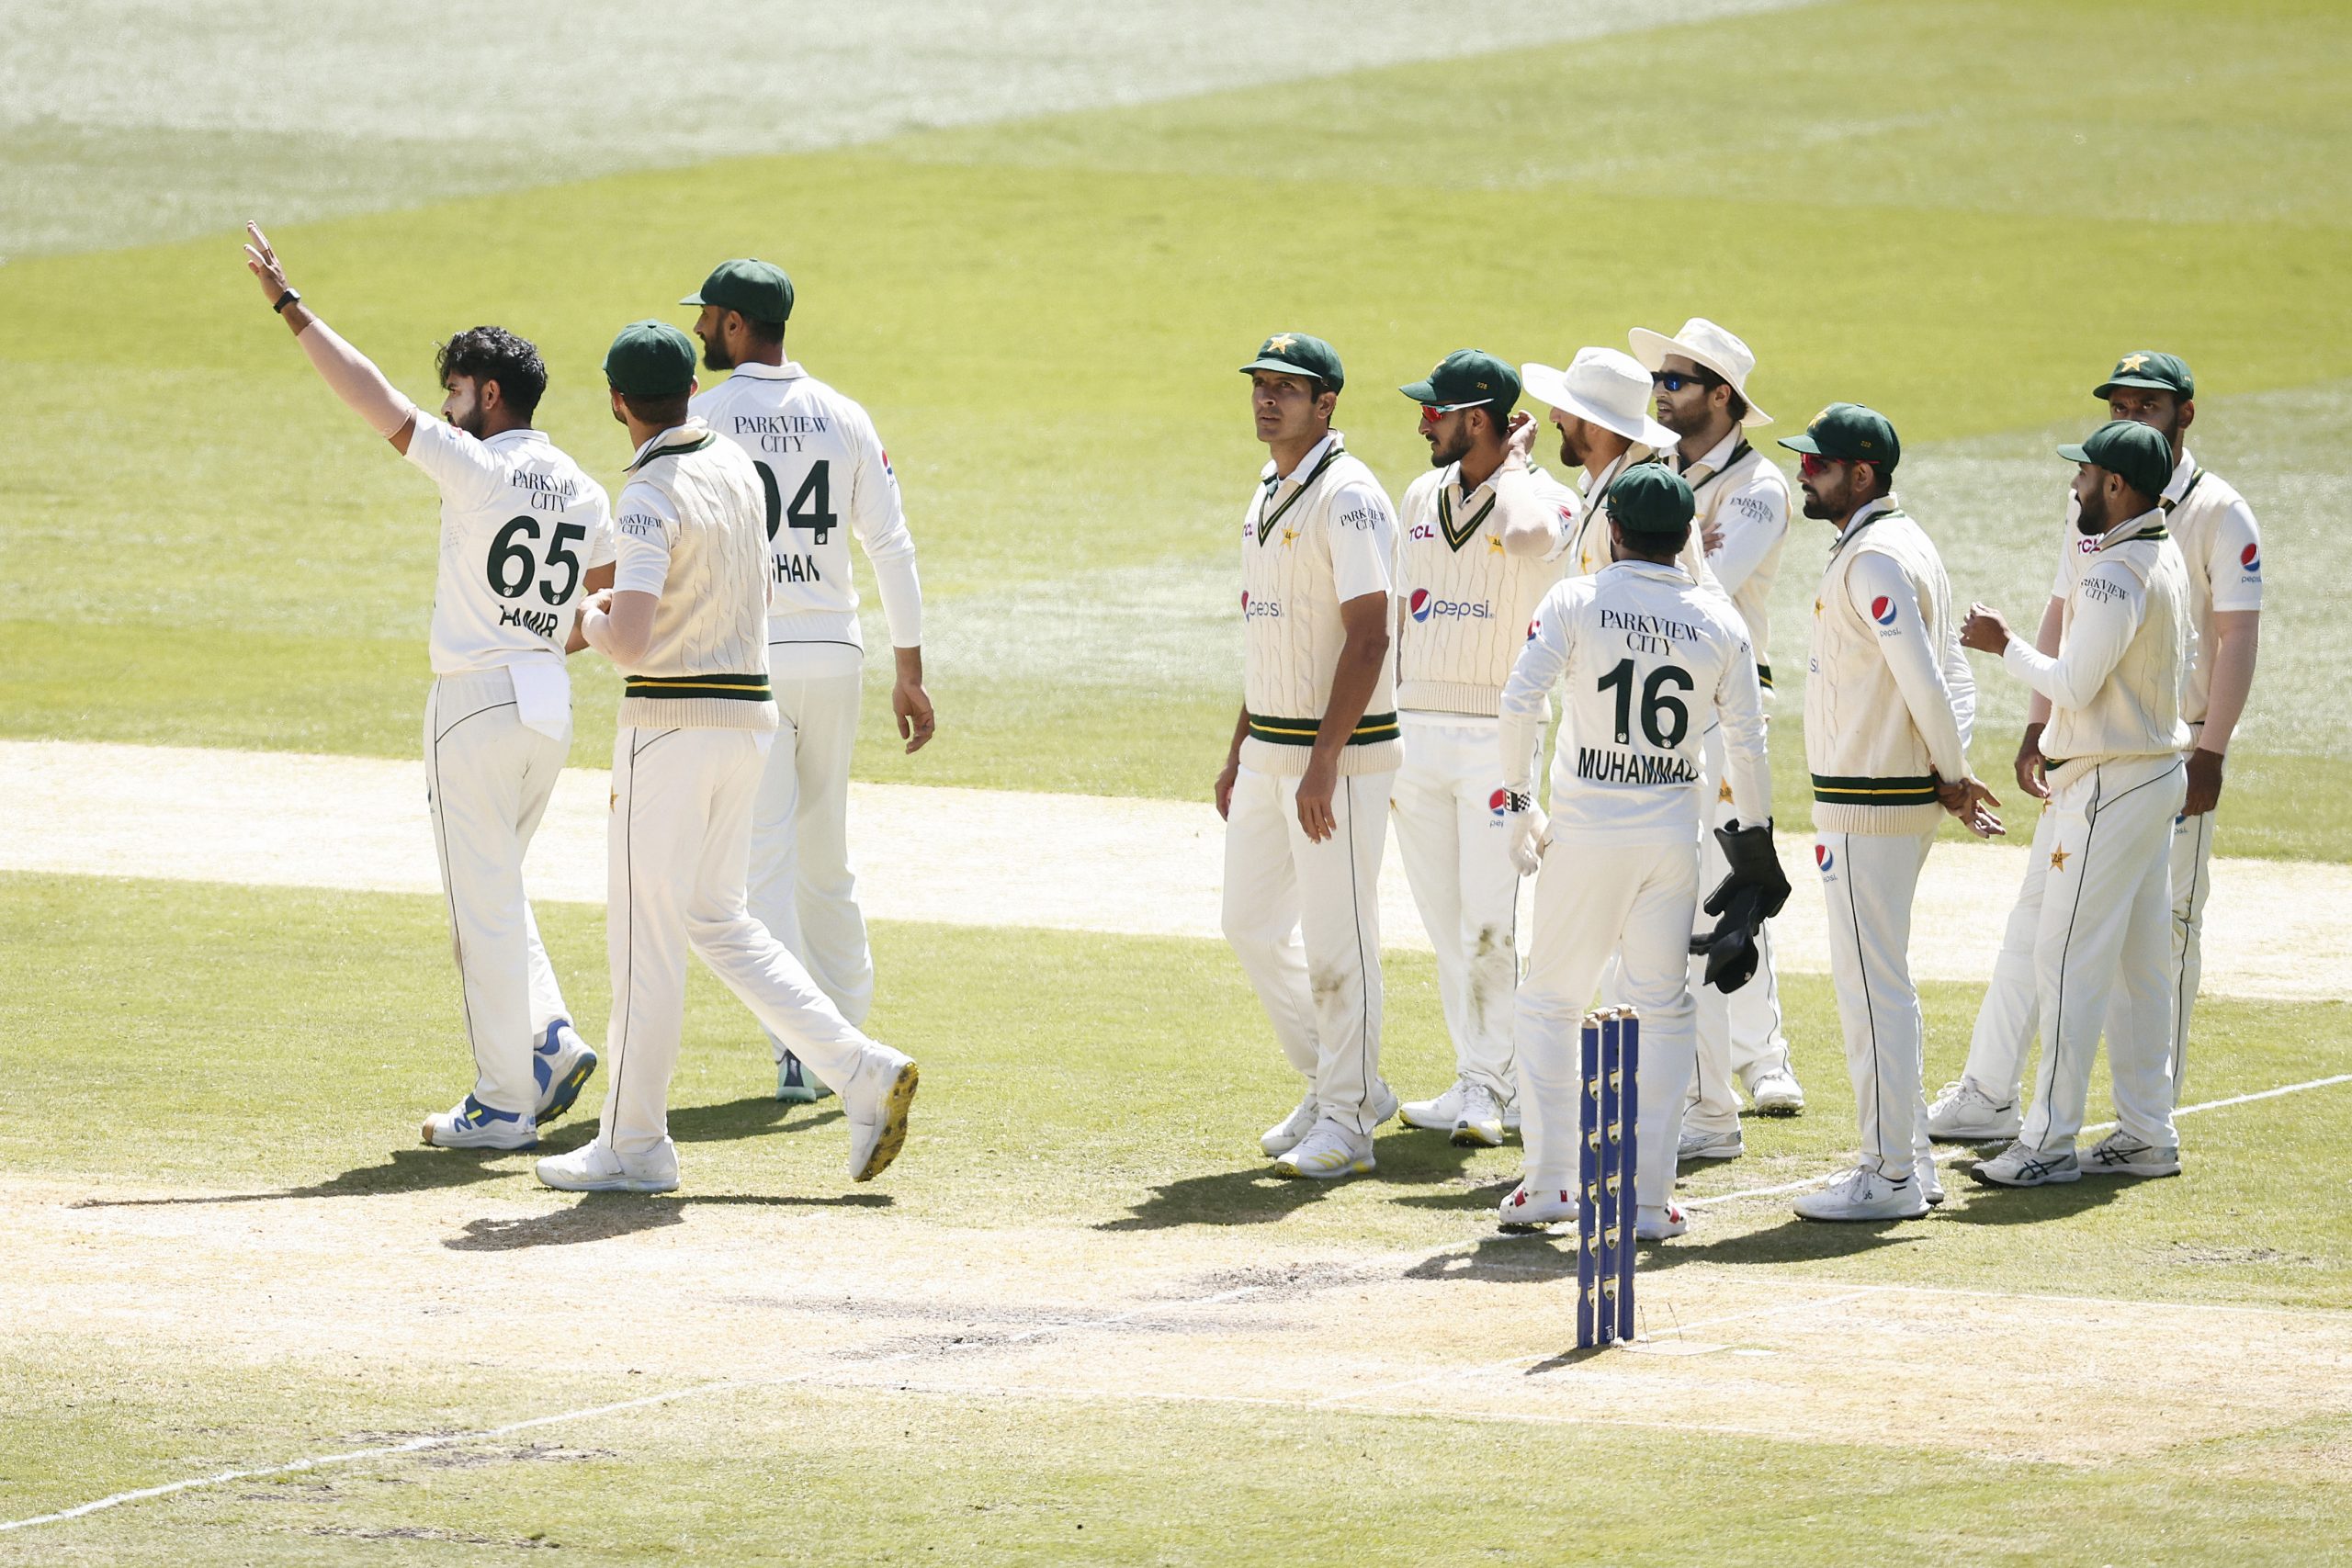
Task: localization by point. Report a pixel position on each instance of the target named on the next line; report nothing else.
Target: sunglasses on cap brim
(1430, 411)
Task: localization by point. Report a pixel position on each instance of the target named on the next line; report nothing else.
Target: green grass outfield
(210, 1039)
(1960, 213)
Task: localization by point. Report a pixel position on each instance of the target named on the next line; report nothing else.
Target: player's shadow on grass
(1255, 1195)
(422, 1169)
(1534, 1259)
(600, 1216)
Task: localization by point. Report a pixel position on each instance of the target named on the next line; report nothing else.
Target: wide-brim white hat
(1705, 344)
(1605, 386)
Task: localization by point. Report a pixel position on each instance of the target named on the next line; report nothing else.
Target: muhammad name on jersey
(517, 563)
(1652, 697)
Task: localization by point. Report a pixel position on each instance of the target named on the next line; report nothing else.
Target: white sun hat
(1606, 387)
(1703, 344)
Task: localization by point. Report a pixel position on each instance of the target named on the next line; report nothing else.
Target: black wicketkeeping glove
(1754, 865)
(1730, 949)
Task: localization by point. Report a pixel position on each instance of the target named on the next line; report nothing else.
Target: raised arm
(348, 372)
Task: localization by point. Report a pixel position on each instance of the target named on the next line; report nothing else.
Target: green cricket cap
(1651, 498)
(2146, 367)
(1467, 379)
(1851, 433)
(650, 359)
(2135, 451)
(1295, 354)
(757, 288)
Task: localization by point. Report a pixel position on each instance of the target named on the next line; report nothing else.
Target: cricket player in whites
(2222, 547)
(1306, 785)
(1483, 533)
(1599, 405)
(819, 464)
(1701, 375)
(1889, 700)
(2098, 892)
(685, 623)
(524, 536)
(1648, 658)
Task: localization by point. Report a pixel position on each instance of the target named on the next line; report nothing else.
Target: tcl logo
(1261, 609)
(1424, 604)
(1421, 531)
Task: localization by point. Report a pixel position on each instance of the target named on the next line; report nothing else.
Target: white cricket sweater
(1312, 538)
(1462, 603)
(2124, 649)
(1889, 699)
(692, 529)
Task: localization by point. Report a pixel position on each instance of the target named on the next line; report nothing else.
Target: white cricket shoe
(1862, 1193)
(877, 1100)
(1776, 1092)
(1659, 1223)
(471, 1124)
(1965, 1113)
(1697, 1142)
(595, 1167)
(561, 1063)
(1327, 1153)
(1480, 1124)
(1287, 1133)
(2120, 1154)
(1532, 1209)
(1929, 1181)
(1437, 1115)
(2020, 1165)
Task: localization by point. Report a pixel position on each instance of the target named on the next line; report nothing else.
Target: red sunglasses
(1812, 465)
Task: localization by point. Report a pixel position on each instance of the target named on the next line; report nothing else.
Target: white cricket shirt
(1743, 495)
(1649, 659)
(825, 476)
(1463, 601)
(521, 525)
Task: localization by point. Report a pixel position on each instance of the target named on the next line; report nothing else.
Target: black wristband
(288, 298)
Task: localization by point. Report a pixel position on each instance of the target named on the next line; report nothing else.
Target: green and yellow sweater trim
(1832, 791)
(726, 688)
(1370, 730)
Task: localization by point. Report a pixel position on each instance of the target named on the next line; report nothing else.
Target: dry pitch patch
(684, 1299)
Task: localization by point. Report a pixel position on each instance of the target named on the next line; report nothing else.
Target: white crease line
(1954, 1155)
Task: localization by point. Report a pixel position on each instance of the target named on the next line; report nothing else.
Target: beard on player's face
(462, 409)
(2093, 513)
(1449, 440)
(714, 352)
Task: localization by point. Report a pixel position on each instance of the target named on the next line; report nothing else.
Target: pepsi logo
(1263, 610)
(1823, 858)
(2250, 558)
(1882, 610)
(1532, 627)
(1424, 604)
(1497, 801)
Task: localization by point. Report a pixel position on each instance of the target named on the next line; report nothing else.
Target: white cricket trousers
(679, 840)
(1869, 881)
(802, 888)
(1456, 844)
(487, 778)
(1593, 897)
(2010, 1019)
(2093, 927)
(1303, 920)
(1738, 1033)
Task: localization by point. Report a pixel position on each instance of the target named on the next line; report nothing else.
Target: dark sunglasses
(1675, 380)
